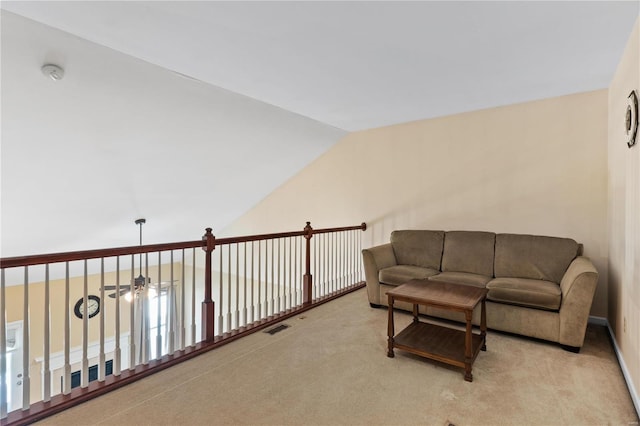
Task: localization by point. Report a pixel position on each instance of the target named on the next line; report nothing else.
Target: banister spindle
(133, 345)
(244, 298)
(228, 328)
(193, 297)
(236, 319)
(117, 352)
(102, 357)
(220, 295)
(159, 309)
(67, 334)
(47, 336)
(3, 349)
(273, 297)
(84, 375)
(171, 311)
(26, 381)
(253, 284)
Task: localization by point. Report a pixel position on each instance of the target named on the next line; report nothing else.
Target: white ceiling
(276, 84)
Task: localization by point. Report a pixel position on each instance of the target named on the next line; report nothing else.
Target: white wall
(624, 213)
(119, 138)
(537, 167)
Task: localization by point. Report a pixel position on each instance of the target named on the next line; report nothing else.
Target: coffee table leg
(483, 326)
(468, 355)
(390, 329)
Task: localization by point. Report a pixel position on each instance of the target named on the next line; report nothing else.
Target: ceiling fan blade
(163, 284)
(122, 293)
(113, 287)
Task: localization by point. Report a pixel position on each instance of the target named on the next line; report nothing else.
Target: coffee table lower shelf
(439, 343)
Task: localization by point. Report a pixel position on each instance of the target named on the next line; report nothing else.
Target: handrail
(289, 286)
(39, 259)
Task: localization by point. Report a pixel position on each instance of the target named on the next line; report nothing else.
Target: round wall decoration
(631, 118)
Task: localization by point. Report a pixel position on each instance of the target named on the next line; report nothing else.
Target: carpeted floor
(330, 367)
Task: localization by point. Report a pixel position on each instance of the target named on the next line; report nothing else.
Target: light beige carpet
(330, 367)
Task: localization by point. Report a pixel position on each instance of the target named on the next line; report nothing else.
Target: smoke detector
(52, 71)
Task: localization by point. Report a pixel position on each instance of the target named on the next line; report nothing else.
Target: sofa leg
(373, 305)
(574, 349)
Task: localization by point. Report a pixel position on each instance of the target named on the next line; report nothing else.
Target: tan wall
(624, 213)
(537, 167)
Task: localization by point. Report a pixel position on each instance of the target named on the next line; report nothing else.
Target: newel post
(208, 329)
(307, 283)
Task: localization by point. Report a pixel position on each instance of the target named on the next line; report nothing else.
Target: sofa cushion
(534, 257)
(469, 251)
(462, 278)
(418, 248)
(400, 274)
(538, 294)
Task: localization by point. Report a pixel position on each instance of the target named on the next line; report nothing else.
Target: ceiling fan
(140, 282)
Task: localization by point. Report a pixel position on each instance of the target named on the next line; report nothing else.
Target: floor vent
(277, 329)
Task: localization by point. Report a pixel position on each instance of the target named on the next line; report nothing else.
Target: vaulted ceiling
(189, 113)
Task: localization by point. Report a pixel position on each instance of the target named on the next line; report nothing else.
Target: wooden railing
(186, 298)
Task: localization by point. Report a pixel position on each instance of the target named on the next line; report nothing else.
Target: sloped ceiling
(189, 113)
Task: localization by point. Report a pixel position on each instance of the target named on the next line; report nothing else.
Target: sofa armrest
(374, 259)
(578, 287)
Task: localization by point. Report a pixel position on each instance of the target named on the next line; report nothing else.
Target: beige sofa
(538, 286)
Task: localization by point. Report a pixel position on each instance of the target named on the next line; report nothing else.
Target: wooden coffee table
(441, 343)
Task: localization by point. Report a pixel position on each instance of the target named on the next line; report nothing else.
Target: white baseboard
(623, 366)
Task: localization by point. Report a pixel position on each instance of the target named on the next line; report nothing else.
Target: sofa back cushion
(418, 248)
(532, 256)
(469, 251)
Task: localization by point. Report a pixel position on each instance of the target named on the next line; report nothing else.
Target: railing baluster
(236, 321)
(351, 256)
(193, 298)
(244, 264)
(273, 297)
(133, 345)
(183, 296)
(220, 305)
(299, 292)
(171, 311)
(67, 334)
(102, 358)
(228, 327)
(259, 283)
(253, 284)
(296, 283)
(291, 302)
(4, 403)
(279, 283)
(343, 265)
(327, 279)
(26, 380)
(159, 309)
(117, 352)
(47, 337)
(84, 375)
(145, 311)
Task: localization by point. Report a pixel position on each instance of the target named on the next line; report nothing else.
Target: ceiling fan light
(128, 297)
